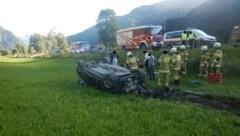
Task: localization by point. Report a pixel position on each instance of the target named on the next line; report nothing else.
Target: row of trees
(41, 44)
(107, 26)
(20, 49)
(44, 44)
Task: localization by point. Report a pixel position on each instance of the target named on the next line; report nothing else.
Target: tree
(14, 51)
(31, 49)
(62, 42)
(107, 27)
(20, 48)
(4, 52)
(51, 41)
(37, 41)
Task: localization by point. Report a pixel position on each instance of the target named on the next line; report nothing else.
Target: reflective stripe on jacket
(176, 61)
(184, 56)
(204, 59)
(164, 61)
(132, 61)
(184, 36)
(217, 58)
(191, 36)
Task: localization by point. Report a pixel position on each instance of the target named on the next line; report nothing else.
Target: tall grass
(42, 97)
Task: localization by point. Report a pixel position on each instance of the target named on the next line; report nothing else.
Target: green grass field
(41, 96)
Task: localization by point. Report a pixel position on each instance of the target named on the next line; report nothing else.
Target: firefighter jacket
(132, 62)
(191, 36)
(217, 58)
(184, 56)
(204, 59)
(184, 36)
(164, 62)
(176, 61)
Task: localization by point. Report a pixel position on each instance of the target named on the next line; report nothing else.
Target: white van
(173, 38)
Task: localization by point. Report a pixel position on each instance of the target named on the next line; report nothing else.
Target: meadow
(42, 96)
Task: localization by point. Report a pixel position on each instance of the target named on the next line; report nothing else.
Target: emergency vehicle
(173, 38)
(140, 37)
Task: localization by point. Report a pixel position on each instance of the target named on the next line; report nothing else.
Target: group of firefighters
(177, 62)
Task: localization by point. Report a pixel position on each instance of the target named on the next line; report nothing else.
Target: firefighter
(203, 68)
(132, 62)
(184, 57)
(191, 37)
(176, 65)
(217, 59)
(163, 63)
(184, 38)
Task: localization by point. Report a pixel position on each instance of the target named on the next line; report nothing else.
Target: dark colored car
(109, 77)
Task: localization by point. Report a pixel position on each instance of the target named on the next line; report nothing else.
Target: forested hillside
(216, 17)
(153, 14)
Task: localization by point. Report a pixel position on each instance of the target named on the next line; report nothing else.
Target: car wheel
(109, 81)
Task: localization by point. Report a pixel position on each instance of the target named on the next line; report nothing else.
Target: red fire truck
(140, 37)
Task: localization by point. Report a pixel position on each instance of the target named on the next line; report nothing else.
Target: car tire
(109, 82)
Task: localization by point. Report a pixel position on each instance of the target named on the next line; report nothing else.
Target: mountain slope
(153, 14)
(8, 40)
(216, 17)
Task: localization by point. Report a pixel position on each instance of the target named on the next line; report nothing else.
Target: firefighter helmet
(204, 48)
(182, 47)
(129, 54)
(173, 50)
(217, 45)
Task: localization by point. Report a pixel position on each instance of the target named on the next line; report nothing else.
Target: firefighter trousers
(163, 79)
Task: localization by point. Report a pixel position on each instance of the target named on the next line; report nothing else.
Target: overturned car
(109, 77)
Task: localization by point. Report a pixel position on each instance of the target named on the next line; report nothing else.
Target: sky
(25, 17)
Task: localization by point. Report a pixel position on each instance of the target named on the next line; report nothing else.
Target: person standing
(146, 59)
(217, 59)
(203, 68)
(184, 59)
(132, 62)
(176, 65)
(113, 55)
(115, 60)
(184, 38)
(191, 37)
(163, 63)
(151, 66)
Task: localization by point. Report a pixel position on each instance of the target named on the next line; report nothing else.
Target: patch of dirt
(219, 102)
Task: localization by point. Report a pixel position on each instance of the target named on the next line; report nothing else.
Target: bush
(4, 52)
